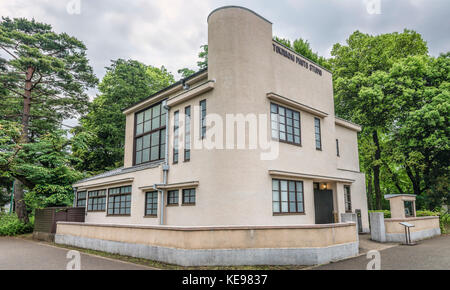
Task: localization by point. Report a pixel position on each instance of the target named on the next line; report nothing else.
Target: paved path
(433, 254)
(19, 254)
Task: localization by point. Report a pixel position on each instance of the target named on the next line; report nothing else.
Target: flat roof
(238, 7)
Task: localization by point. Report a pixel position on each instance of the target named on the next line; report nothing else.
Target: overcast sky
(170, 32)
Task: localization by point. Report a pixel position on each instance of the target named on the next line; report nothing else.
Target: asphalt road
(19, 254)
(433, 254)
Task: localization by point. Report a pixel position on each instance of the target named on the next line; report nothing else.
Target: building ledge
(191, 93)
(296, 105)
(320, 178)
(347, 124)
(106, 183)
(189, 184)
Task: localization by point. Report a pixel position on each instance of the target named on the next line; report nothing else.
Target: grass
(159, 265)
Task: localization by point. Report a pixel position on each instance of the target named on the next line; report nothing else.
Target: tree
(201, 64)
(47, 74)
(360, 72)
(303, 47)
(103, 128)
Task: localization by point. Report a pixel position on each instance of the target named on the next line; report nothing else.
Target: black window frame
(409, 204)
(81, 199)
(348, 199)
(192, 195)
(123, 192)
(318, 135)
(154, 204)
(203, 119)
(176, 137)
(276, 120)
(337, 148)
(97, 200)
(162, 129)
(288, 192)
(187, 134)
(171, 199)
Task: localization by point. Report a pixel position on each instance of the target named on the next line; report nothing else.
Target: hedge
(10, 225)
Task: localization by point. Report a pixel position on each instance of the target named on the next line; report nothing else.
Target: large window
(119, 201)
(285, 124)
(81, 199)
(187, 134)
(97, 200)
(172, 197)
(189, 196)
(203, 119)
(150, 134)
(318, 133)
(287, 196)
(151, 203)
(348, 199)
(176, 128)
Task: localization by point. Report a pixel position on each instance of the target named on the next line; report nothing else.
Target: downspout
(166, 162)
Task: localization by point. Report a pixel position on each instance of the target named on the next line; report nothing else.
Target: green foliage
(304, 48)
(10, 225)
(387, 213)
(201, 64)
(100, 139)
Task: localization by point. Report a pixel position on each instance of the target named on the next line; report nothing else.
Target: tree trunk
(415, 180)
(369, 190)
(21, 209)
(376, 172)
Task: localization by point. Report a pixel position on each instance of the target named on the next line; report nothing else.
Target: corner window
(187, 135)
(119, 201)
(97, 200)
(151, 203)
(285, 124)
(172, 197)
(189, 196)
(203, 119)
(318, 133)
(287, 196)
(347, 199)
(150, 135)
(176, 128)
(81, 199)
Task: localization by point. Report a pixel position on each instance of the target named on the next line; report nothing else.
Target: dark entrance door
(323, 203)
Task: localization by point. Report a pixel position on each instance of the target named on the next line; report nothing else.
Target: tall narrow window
(347, 199)
(287, 196)
(176, 126)
(81, 199)
(318, 134)
(119, 201)
(187, 135)
(151, 203)
(285, 124)
(150, 135)
(337, 148)
(203, 119)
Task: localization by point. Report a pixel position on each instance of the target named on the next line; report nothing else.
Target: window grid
(203, 119)
(150, 134)
(97, 200)
(347, 199)
(151, 203)
(172, 197)
(81, 199)
(287, 196)
(176, 129)
(318, 133)
(189, 196)
(119, 201)
(187, 135)
(285, 125)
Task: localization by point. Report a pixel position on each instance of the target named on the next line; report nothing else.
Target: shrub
(10, 225)
(387, 213)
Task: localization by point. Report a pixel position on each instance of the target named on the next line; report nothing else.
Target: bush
(387, 213)
(10, 225)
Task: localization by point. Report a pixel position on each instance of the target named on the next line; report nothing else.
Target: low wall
(425, 227)
(217, 246)
(390, 230)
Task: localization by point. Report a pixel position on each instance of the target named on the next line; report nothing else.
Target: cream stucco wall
(235, 185)
(393, 226)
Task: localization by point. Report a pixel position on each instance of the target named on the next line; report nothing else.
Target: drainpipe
(166, 166)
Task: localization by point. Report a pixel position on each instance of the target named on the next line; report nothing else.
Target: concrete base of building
(217, 257)
(415, 236)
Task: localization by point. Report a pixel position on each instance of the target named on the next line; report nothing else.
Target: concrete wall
(302, 245)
